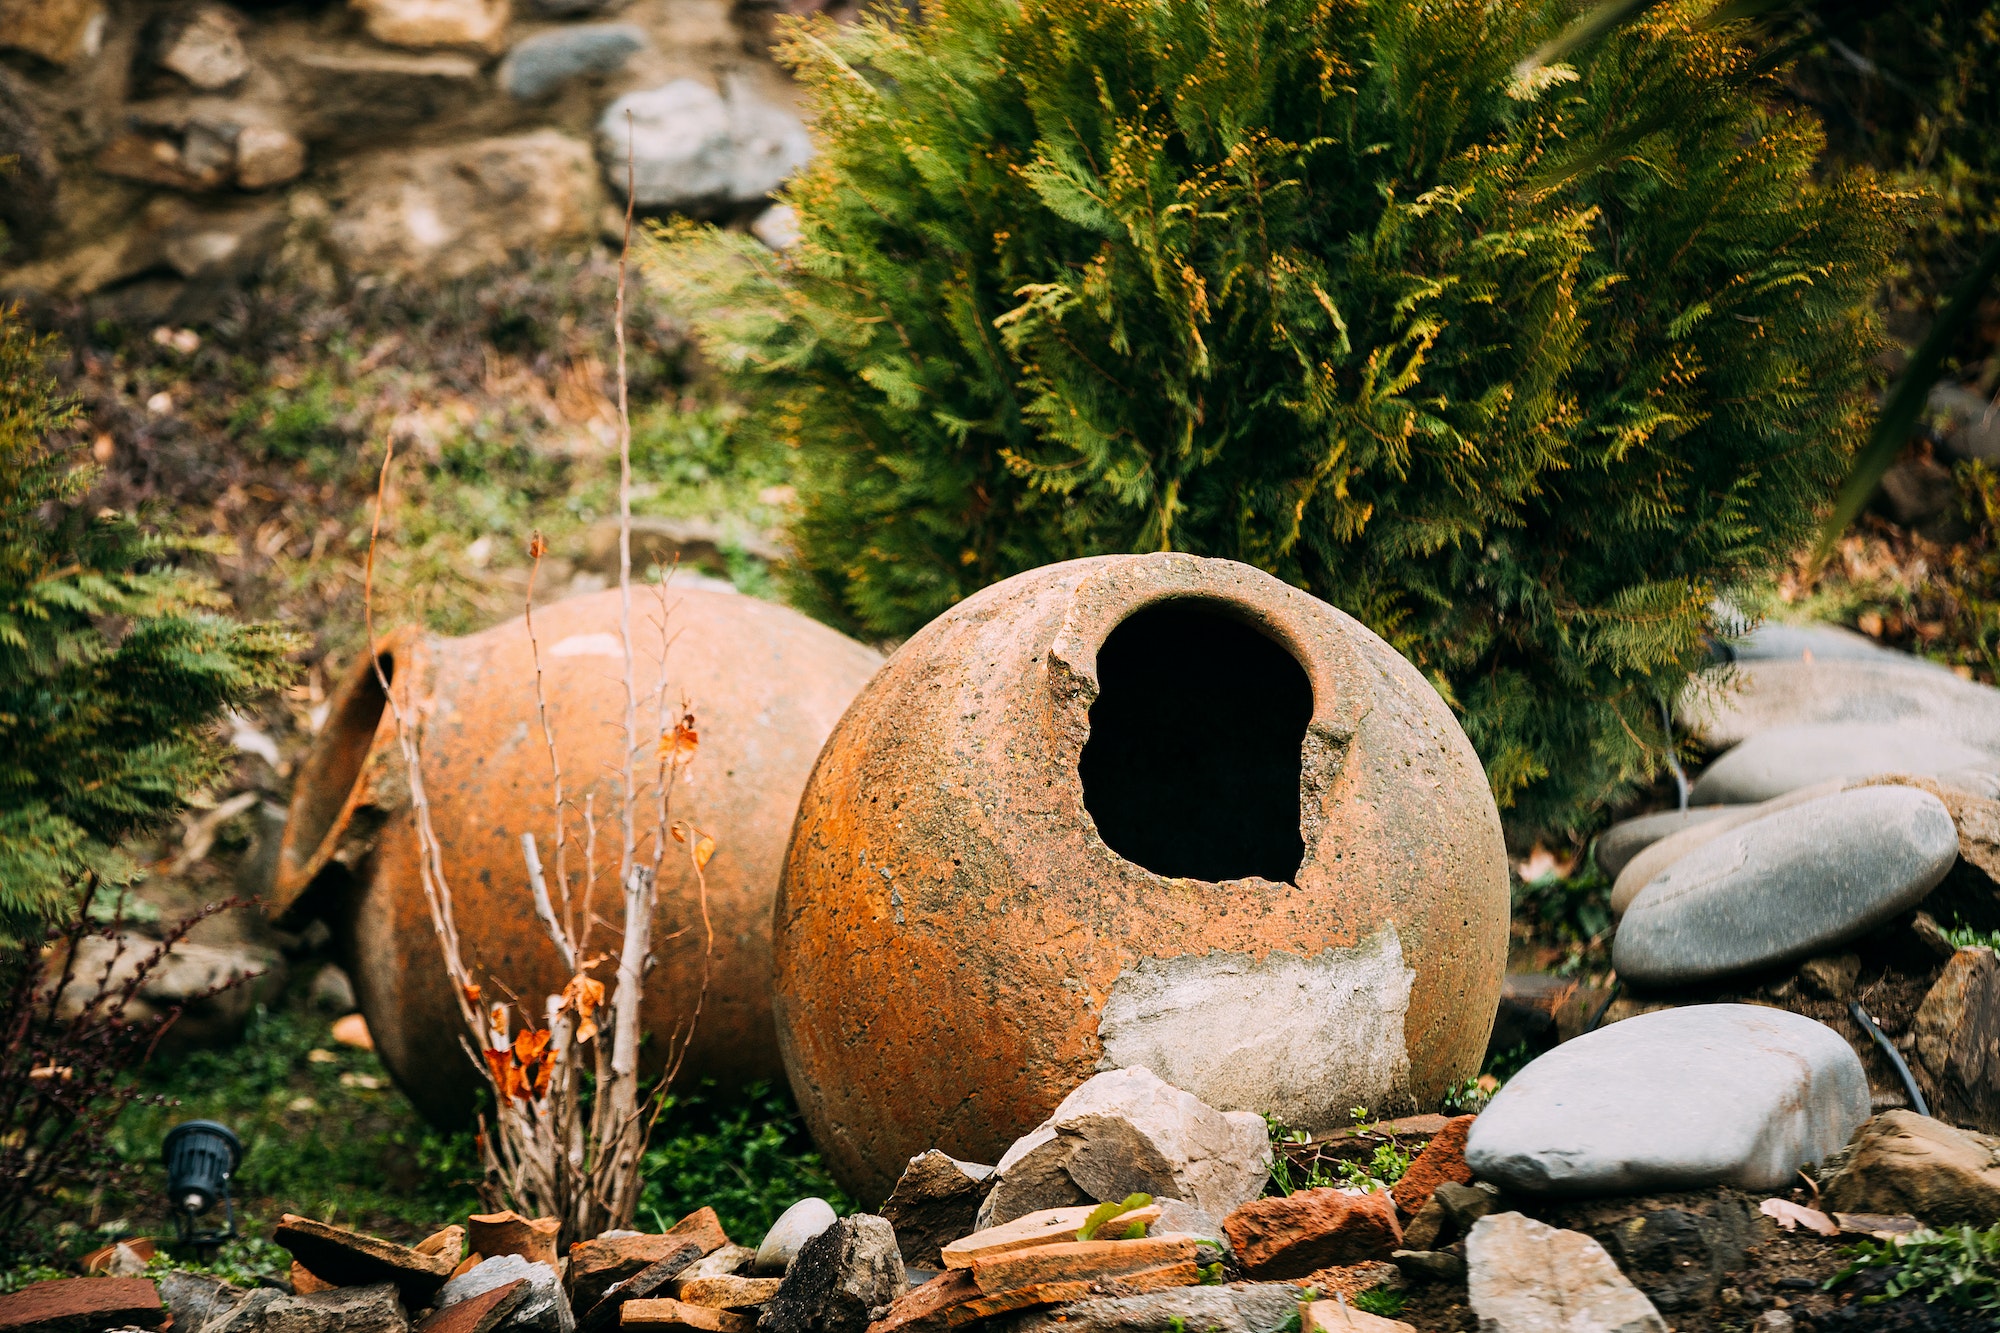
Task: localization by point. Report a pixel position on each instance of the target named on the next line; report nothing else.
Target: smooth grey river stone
(1617, 845)
(1787, 886)
(1818, 643)
(1678, 1099)
(1738, 700)
(1784, 759)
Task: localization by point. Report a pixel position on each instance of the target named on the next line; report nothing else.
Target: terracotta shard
(679, 1314)
(82, 1305)
(1078, 1260)
(1312, 1229)
(478, 1314)
(1340, 1317)
(728, 1292)
(642, 1285)
(1050, 1226)
(495, 1234)
(922, 1306)
(1442, 1159)
(594, 1265)
(305, 1283)
(448, 1243)
(349, 1259)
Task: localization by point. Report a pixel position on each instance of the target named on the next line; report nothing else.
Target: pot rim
(344, 771)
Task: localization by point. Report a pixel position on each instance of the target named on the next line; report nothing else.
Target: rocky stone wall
(165, 146)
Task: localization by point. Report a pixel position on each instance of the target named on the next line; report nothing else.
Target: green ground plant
(1522, 376)
(115, 660)
(1959, 1267)
(745, 1154)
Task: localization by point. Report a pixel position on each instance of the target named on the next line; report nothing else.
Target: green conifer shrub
(114, 662)
(1521, 376)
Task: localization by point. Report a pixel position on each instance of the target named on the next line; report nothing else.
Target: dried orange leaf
(679, 745)
(702, 851)
(680, 834)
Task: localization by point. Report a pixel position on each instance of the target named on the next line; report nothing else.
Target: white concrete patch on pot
(1300, 1038)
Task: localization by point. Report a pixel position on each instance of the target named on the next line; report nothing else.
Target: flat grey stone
(1646, 866)
(1817, 643)
(544, 62)
(789, 1234)
(370, 1309)
(1784, 759)
(1733, 702)
(1617, 845)
(1677, 1099)
(1971, 426)
(1524, 1276)
(1241, 1307)
(1787, 886)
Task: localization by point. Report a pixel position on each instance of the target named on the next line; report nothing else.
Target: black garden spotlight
(201, 1156)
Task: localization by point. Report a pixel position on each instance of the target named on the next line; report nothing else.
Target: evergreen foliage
(1522, 376)
(113, 662)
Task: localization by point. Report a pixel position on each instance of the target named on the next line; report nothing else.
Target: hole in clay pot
(335, 763)
(1192, 766)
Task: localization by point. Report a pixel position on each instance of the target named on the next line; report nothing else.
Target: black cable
(1604, 1008)
(1895, 1056)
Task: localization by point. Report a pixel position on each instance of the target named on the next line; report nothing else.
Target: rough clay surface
(1127, 1132)
(1322, 1033)
(1719, 1094)
(1526, 1277)
(82, 1305)
(1902, 1162)
(1786, 887)
(788, 1235)
(842, 1277)
(946, 890)
(1784, 759)
(770, 684)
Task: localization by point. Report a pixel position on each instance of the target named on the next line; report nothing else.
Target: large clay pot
(766, 686)
(1135, 810)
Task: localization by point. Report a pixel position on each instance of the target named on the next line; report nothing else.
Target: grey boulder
(1786, 887)
(1523, 1276)
(1124, 1132)
(1817, 643)
(788, 1235)
(544, 62)
(692, 147)
(1783, 759)
(842, 1280)
(545, 1308)
(1677, 1099)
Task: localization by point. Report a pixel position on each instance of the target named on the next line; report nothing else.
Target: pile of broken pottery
(1138, 1208)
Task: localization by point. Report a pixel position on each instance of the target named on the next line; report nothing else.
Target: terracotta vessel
(766, 686)
(1135, 810)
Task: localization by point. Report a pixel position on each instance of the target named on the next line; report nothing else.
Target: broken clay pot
(1153, 811)
(766, 686)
